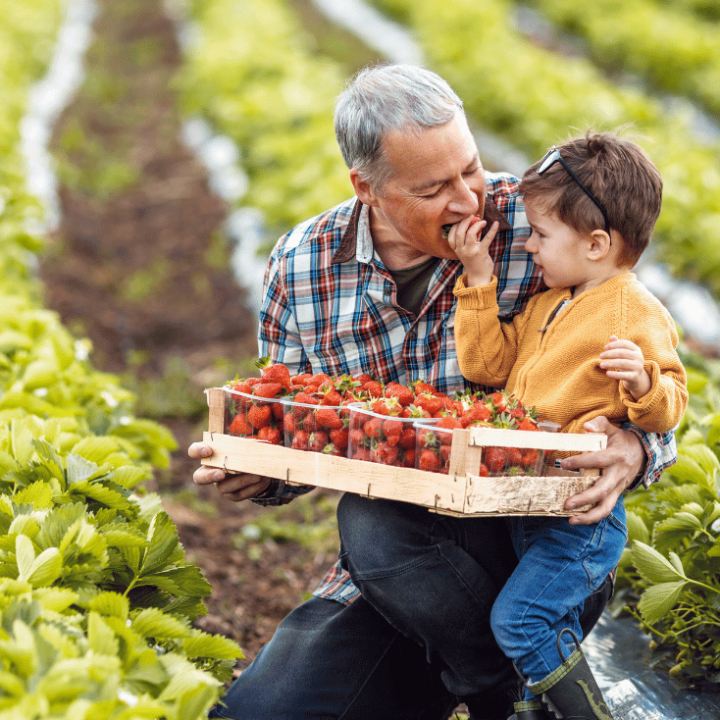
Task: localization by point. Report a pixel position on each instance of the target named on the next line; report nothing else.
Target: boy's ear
(363, 189)
(598, 245)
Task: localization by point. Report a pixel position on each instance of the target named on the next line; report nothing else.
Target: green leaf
(25, 556)
(38, 494)
(637, 530)
(164, 545)
(112, 604)
(657, 601)
(96, 449)
(153, 623)
(202, 645)
(186, 580)
(652, 566)
(78, 468)
(46, 568)
(101, 639)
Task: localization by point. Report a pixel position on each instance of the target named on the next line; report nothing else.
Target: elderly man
(367, 287)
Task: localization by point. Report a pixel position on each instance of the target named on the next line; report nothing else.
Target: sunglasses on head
(553, 156)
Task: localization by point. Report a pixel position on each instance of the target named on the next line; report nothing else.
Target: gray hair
(383, 98)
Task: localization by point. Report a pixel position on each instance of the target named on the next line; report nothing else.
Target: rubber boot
(530, 710)
(571, 691)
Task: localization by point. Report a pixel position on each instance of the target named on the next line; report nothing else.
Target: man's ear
(363, 189)
(598, 245)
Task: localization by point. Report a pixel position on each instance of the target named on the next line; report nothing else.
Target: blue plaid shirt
(330, 305)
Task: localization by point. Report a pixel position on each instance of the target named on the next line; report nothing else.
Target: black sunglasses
(553, 156)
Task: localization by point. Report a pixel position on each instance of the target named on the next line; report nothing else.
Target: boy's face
(558, 250)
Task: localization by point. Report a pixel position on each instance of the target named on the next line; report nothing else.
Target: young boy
(592, 204)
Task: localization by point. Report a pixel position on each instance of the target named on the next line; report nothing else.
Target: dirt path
(139, 266)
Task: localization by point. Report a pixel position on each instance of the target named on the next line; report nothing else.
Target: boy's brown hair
(618, 173)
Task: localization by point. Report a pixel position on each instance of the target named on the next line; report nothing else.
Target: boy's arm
(486, 348)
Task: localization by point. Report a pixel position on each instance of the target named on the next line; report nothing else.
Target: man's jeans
(560, 565)
(329, 661)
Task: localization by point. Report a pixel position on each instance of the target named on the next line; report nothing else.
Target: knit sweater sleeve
(486, 347)
(662, 407)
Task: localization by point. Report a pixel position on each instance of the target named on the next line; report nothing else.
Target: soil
(140, 266)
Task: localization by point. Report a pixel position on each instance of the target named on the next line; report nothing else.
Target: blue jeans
(560, 566)
(329, 661)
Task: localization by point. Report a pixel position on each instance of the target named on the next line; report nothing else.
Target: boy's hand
(473, 252)
(623, 360)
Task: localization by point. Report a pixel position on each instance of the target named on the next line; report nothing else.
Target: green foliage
(253, 74)
(669, 47)
(540, 98)
(96, 599)
(670, 573)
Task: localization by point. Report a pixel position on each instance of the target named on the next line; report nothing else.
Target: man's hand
(620, 462)
(234, 487)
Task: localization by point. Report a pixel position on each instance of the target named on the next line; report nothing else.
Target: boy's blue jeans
(560, 565)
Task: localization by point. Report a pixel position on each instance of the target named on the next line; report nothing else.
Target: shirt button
(412, 335)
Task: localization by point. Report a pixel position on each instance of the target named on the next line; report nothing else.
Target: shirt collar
(356, 241)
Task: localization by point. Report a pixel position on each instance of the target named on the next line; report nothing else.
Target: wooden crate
(462, 492)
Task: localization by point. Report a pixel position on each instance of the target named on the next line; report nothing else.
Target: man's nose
(465, 199)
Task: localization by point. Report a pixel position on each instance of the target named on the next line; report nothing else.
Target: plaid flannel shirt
(330, 305)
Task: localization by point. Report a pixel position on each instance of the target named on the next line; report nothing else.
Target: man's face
(437, 180)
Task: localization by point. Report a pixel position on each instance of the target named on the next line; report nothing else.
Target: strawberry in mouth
(446, 228)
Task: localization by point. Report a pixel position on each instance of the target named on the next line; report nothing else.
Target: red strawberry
(267, 390)
(407, 439)
(402, 393)
(495, 458)
(392, 429)
(270, 434)
(483, 470)
(317, 440)
(328, 417)
(309, 422)
(514, 456)
(387, 454)
(300, 440)
(274, 372)
(331, 396)
(409, 459)
(429, 461)
(240, 426)
(529, 456)
(475, 413)
(422, 387)
(340, 438)
(331, 449)
(373, 388)
(528, 424)
(301, 380)
(289, 423)
(372, 428)
(499, 400)
(259, 416)
(306, 398)
(242, 386)
(429, 402)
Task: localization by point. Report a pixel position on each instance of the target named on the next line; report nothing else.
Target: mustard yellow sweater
(556, 369)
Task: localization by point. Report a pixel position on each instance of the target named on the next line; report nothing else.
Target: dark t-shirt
(412, 284)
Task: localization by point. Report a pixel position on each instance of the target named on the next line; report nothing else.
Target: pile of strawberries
(311, 412)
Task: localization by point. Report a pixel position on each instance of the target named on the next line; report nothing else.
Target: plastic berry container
(432, 448)
(315, 427)
(251, 416)
(378, 438)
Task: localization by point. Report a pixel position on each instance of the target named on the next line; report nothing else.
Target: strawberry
(330, 396)
(422, 387)
(530, 456)
(331, 449)
(317, 440)
(475, 413)
(259, 416)
(409, 459)
(328, 418)
(407, 439)
(402, 393)
(242, 386)
(240, 426)
(429, 402)
(267, 390)
(483, 470)
(514, 456)
(289, 423)
(340, 438)
(499, 401)
(306, 398)
(270, 434)
(300, 440)
(372, 428)
(495, 458)
(392, 429)
(429, 461)
(527, 424)
(274, 373)
(309, 422)
(387, 454)
(300, 380)
(373, 388)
